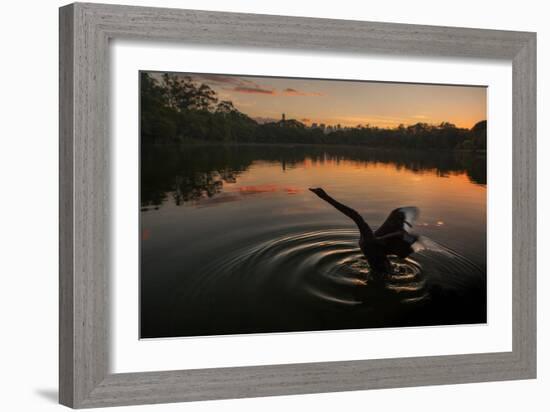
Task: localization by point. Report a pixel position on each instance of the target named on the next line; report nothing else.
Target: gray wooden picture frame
(85, 31)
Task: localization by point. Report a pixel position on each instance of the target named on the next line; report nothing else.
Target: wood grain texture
(524, 124)
(66, 229)
(85, 31)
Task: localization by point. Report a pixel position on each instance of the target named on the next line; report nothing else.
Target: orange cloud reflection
(235, 194)
(268, 188)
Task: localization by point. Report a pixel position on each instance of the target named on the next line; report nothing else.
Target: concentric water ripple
(326, 267)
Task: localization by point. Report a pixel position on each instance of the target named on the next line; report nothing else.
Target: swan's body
(392, 238)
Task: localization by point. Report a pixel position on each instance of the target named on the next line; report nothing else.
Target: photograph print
(278, 205)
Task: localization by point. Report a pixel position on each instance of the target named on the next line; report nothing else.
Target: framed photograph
(258, 205)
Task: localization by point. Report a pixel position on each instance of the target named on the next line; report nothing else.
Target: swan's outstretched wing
(399, 219)
(395, 233)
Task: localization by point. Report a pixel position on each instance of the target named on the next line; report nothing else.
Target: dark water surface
(233, 242)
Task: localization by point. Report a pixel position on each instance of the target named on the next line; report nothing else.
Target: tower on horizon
(283, 118)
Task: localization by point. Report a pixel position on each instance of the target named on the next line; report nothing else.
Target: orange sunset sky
(349, 103)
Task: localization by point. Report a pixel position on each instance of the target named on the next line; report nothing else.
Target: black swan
(392, 238)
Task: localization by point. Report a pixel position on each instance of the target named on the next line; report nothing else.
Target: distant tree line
(175, 109)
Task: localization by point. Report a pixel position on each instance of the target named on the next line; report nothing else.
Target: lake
(233, 242)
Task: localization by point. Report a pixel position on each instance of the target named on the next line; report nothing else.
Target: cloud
(263, 120)
(256, 88)
(252, 89)
(238, 84)
(232, 83)
(221, 79)
(294, 92)
(369, 119)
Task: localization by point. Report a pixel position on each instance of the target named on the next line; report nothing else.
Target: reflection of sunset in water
(226, 229)
(235, 192)
(268, 188)
(370, 180)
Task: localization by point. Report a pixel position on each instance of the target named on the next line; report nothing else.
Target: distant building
(314, 125)
(283, 119)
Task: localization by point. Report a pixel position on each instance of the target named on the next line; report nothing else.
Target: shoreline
(196, 143)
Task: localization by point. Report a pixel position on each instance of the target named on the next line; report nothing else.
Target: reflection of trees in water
(474, 165)
(187, 172)
(193, 187)
(190, 172)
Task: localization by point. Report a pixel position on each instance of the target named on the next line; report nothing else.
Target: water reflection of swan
(392, 238)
